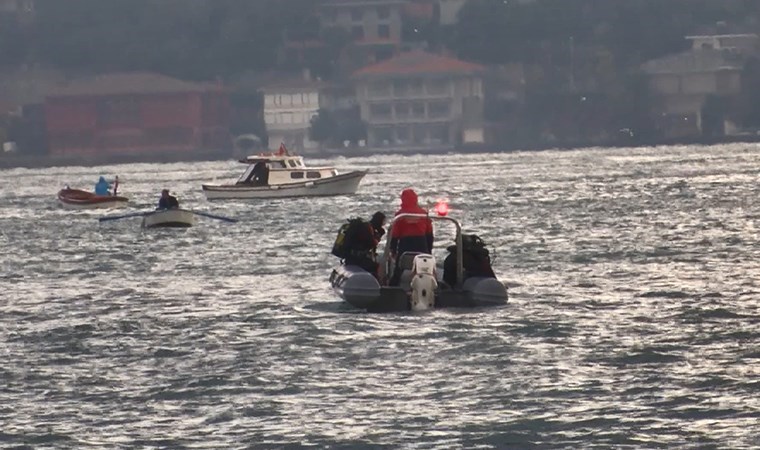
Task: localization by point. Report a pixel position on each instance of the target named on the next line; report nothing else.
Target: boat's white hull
(174, 218)
(343, 184)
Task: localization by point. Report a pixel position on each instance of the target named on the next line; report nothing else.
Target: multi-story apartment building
(19, 11)
(685, 81)
(374, 27)
(421, 100)
(289, 106)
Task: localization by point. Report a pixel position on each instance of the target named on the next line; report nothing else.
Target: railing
(388, 265)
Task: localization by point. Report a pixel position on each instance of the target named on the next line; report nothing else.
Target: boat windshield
(247, 174)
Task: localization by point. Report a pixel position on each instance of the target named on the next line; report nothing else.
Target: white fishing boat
(169, 218)
(282, 174)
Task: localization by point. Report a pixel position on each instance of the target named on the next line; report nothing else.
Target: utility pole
(572, 63)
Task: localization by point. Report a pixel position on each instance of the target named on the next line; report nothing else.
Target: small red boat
(77, 198)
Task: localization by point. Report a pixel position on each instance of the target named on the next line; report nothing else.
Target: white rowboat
(169, 218)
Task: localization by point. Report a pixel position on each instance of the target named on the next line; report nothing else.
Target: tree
(323, 127)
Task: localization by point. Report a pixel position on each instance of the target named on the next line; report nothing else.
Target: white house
(449, 9)
(746, 44)
(289, 106)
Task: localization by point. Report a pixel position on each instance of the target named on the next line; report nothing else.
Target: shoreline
(8, 162)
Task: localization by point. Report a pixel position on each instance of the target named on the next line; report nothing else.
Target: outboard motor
(423, 282)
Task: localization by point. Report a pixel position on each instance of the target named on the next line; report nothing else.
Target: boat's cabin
(276, 161)
(281, 169)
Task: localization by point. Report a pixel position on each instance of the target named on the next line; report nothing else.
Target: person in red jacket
(410, 234)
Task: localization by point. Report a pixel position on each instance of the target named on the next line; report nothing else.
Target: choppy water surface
(633, 319)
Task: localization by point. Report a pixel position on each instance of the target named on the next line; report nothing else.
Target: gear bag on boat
(476, 260)
(345, 241)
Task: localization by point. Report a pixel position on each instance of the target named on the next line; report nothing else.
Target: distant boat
(79, 199)
(281, 174)
(169, 218)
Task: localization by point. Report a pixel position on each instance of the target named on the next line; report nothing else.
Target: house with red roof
(421, 100)
(136, 113)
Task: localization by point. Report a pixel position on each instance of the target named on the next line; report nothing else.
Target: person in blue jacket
(102, 187)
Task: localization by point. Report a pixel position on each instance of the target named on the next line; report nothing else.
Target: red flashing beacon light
(442, 207)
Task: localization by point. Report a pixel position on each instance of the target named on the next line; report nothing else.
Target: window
(312, 174)
(403, 110)
(296, 175)
(383, 31)
(72, 140)
(420, 134)
(439, 133)
(379, 89)
(437, 87)
(404, 88)
(168, 136)
(330, 16)
(119, 112)
(418, 109)
(383, 135)
(380, 111)
(123, 141)
(383, 53)
(438, 109)
(357, 14)
(357, 32)
(402, 134)
(383, 12)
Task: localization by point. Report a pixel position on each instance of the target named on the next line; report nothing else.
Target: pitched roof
(694, 61)
(419, 62)
(128, 83)
(293, 84)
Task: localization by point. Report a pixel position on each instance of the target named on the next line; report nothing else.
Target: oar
(122, 216)
(212, 216)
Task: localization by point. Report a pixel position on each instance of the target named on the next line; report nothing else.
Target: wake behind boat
(79, 199)
(422, 286)
(281, 174)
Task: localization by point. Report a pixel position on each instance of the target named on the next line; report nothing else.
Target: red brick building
(136, 113)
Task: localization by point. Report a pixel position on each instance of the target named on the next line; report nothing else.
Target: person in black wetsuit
(167, 201)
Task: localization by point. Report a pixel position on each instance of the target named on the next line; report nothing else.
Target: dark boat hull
(362, 290)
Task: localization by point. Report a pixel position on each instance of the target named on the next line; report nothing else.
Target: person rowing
(167, 201)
